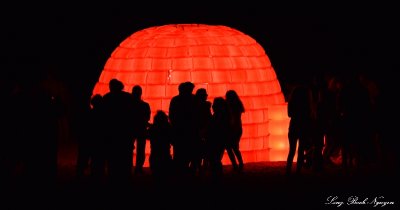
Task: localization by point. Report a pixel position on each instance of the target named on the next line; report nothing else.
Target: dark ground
(261, 185)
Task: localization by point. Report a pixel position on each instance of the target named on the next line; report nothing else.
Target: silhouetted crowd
(192, 138)
(333, 121)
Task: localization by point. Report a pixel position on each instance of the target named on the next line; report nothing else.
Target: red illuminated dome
(217, 58)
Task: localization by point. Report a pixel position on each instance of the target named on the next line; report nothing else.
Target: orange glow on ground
(217, 58)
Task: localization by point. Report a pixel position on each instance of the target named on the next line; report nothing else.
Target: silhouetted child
(219, 131)
(160, 135)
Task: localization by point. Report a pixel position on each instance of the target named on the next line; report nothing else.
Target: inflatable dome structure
(215, 57)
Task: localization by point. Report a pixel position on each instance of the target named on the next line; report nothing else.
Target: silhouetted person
(373, 150)
(236, 109)
(92, 147)
(37, 132)
(183, 120)
(331, 113)
(160, 135)
(355, 112)
(203, 110)
(86, 141)
(299, 111)
(319, 124)
(142, 114)
(219, 133)
(118, 113)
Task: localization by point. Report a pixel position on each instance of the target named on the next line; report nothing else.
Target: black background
(302, 40)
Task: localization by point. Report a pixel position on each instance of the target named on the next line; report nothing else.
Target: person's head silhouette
(201, 93)
(231, 95)
(160, 118)
(115, 85)
(185, 88)
(188, 88)
(137, 92)
(219, 105)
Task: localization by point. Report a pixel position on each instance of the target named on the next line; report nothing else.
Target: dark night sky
(301, 40)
